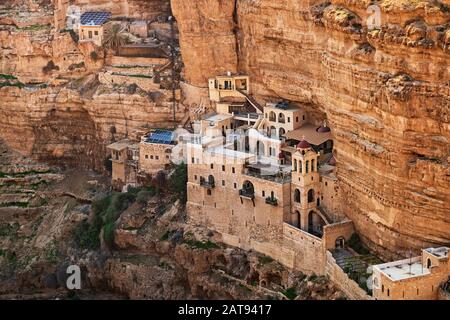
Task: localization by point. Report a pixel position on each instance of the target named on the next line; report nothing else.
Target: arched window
(248, 187)
(281, 132)
(295, 165)
(339, 243)
(300, 164)
(281, 118)
(211, 180)
(312, 165)
(297, 195)
(260, 149)
(307, 166)
(272, 116)
(311, 195)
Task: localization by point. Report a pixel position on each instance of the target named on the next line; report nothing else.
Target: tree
(115, 37)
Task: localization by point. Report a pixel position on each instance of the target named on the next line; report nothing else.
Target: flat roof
(309, 132)
(441, 252)
(121, 145)
(290, 107)
(219, 117)
(403, 269)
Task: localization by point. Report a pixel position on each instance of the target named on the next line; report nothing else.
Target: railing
(207, 184)
(272, 201)
(250, 194)
(279, 178)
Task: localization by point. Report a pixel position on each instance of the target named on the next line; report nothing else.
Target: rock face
(385, 93)
(57, 110)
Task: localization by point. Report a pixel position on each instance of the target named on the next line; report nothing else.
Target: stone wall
(342, 281)
(153, 157)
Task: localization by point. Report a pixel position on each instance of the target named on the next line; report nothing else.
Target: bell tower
(304, 184)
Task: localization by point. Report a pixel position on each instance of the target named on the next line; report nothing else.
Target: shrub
(356, 244)
(290, 293)
(144, 196)
(178, 182)
(108, 233)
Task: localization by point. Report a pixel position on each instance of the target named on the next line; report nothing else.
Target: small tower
(305, 184)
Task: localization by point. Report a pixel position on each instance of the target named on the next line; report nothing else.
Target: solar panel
(161, 137)
(94, 18)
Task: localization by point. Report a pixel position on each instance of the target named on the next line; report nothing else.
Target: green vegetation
(106, 212)
(178, 182)
(356, 244)
(290, 293)
(115, 37)
(144, 196)
(9, 229)
(51, 253)
(19, 85)
(265, 260)
(35, 27)
(201, 244)
(7, 77)
(312, 277)
(22, 174)
(132, 75)
(19, 204)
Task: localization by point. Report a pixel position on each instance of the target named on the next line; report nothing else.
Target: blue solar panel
(94, 18)
(161, 136)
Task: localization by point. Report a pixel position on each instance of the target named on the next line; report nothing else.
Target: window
(167, 156)
(303, 118)
(192, 160)
(223, 183)
(326, 183)
(151, 157)
(289, 119)
(157, 157)
(90, 34)
(312, 165)
(235, 185)
(307, 166)
(195, 177)
(428, 263)
(233, 170)
(212, 166)
(388, 292)
(263, 193)
(208, 192)
(96, 33)
(223, 168)
(146, 156)
(296, 119)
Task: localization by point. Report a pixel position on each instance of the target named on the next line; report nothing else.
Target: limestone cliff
(52, 104)
(385, 92)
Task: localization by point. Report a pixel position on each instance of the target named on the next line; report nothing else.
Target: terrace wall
(341, 279)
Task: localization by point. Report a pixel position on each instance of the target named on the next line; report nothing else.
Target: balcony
(272, 201)
(248, 194)
(207, 183)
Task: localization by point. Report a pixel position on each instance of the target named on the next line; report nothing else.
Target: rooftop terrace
(403, 269)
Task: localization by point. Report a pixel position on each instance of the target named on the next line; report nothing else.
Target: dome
(303, 145)
(323, 129)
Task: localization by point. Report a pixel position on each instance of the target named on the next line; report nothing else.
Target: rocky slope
(385, 93)
(46, 219)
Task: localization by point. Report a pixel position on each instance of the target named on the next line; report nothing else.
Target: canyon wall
(57, 110)
(385, 92)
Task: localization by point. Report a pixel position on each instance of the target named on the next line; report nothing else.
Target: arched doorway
(297, 195)
(281, 132)
(272, 116)
(315, 224)
(248, 189)
(260, 148)
(295, 219)
(310, 195)
(339, 243)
